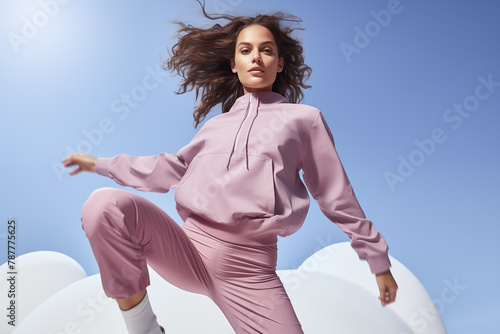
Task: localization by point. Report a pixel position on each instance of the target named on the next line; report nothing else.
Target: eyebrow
(247, 43)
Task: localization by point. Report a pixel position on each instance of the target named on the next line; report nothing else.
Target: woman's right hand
(85, 162)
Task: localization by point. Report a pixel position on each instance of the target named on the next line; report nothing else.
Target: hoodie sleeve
(156, 173)
(328, 184)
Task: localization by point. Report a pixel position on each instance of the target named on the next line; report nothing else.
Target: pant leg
(245, 284)
(127, 232)
(257, 308)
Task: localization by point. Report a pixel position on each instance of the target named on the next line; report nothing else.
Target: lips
(256, 70)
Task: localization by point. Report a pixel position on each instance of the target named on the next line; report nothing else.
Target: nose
(256, 57)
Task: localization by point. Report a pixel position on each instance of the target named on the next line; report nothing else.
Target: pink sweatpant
(126, 231)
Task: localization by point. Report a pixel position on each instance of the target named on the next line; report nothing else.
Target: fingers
(383, 297)
(69, 160)
(392, 294)
(76, 171)
(72, 160)
(387, 296)
(69, 163)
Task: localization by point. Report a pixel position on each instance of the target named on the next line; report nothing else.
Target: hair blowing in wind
(202, 58)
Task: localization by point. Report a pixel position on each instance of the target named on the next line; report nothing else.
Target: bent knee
(100, 205)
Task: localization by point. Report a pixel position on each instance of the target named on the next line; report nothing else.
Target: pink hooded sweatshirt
(240, 173)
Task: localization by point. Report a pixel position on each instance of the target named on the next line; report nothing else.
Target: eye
(268, 50)
(243, 51)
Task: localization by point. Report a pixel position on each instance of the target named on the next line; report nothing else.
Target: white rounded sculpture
(332, 292)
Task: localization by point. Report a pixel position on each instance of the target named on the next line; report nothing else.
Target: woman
(237, 185)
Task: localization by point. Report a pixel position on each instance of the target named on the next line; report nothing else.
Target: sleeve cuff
(102, 166)
(379, 264)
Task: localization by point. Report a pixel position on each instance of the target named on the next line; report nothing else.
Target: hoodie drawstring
(248, 135)
(248, 111)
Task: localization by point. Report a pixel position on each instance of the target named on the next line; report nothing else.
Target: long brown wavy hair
(202, 57)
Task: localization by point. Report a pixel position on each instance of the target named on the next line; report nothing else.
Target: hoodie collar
(265, 97)
(249, 104)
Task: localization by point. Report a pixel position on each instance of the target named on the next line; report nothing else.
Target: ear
(233, 65)
(281, 64)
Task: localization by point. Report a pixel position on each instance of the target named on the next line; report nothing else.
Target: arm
(157, 173)
(329, 185)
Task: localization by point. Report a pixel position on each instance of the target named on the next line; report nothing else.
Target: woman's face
(256, 59)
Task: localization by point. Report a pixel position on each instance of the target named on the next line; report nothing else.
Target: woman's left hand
(387, 287)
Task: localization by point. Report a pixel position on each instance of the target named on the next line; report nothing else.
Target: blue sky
(410, 89)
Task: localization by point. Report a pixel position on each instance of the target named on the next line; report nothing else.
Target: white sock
(140, 319)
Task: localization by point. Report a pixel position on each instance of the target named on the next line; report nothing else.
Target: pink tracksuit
(237, 187)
